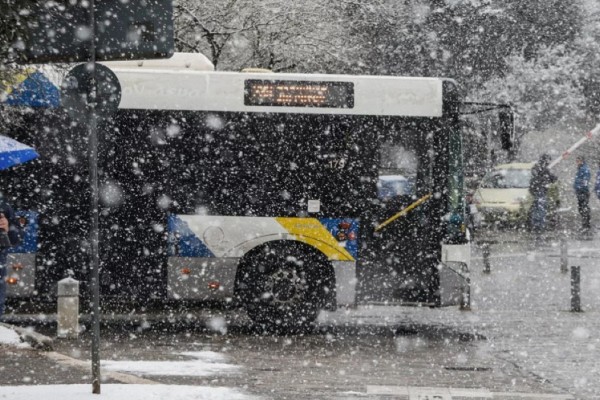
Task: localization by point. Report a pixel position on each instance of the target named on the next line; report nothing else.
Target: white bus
(256, 189)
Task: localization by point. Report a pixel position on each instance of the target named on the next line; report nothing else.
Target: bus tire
(284, 285)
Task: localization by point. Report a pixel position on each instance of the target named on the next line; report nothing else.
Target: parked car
(503, 197)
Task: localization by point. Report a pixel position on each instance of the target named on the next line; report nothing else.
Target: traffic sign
(60, 31)
(78, 86)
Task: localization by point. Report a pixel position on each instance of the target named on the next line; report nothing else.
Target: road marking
(445, 393)
(87, 365)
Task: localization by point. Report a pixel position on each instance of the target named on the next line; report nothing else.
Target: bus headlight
(12, 280)
(17, 266)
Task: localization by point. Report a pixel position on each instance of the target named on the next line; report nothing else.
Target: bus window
(397, 172)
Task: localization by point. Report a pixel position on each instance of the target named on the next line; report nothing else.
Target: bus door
(401, 258)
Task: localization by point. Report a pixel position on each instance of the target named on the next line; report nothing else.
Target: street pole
(94, 258)
(576, 289)
(485, 249)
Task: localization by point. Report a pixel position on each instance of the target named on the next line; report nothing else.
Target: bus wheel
(283, 285)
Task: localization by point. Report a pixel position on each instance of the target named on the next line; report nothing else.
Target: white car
(503, 193)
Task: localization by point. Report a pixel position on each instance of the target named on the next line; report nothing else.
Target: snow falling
(236, 199)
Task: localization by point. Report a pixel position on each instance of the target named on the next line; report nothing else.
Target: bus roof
(173, 87)
(178, 61)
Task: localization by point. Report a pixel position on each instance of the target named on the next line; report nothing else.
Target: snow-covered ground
(8, 337)
(121, 392)
(200, 363)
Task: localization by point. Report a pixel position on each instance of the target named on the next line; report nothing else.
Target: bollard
(564, 249)
(575, 289)
(68, 309)
(564, 254)
(486, 258)
(465, 303)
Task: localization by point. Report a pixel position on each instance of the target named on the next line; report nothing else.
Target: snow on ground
(121, 392)
(202, 363)
(10, 337)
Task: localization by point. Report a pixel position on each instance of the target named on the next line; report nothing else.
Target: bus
(252, 189)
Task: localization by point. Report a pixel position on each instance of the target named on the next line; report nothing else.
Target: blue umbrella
(14, 153)
(32, 89)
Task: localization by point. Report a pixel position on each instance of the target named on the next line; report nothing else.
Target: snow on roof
(183, 61)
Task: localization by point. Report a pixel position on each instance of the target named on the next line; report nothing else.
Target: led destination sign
(278, 93)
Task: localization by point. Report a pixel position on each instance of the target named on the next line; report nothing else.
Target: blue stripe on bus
(183, 242)
(29, 242)
(347, 235)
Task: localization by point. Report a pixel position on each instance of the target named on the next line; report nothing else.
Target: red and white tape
(588, 136)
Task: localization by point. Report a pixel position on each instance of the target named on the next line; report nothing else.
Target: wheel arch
(326, 271)
(328, 250)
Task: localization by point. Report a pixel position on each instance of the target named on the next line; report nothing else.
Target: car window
(507, 179)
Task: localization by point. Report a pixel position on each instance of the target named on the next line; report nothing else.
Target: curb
(34, 339)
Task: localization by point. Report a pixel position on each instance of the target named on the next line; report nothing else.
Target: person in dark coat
(10, 235)
(581, 186)
(541, 179)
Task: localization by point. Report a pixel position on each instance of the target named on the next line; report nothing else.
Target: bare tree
(298, 36)
(210, 26)
(14, 15)
(277, 35)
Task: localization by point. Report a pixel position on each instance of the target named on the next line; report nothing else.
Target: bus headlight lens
(17, 266)
(12, 280)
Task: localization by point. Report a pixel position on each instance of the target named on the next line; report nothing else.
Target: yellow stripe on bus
(313, 233)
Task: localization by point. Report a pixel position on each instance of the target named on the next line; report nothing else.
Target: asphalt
(522, 306)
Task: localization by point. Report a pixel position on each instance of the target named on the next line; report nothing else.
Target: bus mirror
(506, 129)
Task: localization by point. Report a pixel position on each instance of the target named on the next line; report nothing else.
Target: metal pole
(465, 304)
(564, 254)
(564, 248)
(93, 160)
(575, 289)
(486, 258)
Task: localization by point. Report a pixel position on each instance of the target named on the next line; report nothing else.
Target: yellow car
(503, 197)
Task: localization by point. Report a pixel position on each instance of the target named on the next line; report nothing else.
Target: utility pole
(94, 234)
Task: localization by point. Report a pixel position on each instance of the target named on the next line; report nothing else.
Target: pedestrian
(10, 235)
(541, 179)
(581, 185)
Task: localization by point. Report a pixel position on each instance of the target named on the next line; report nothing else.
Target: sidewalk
(525, 305)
